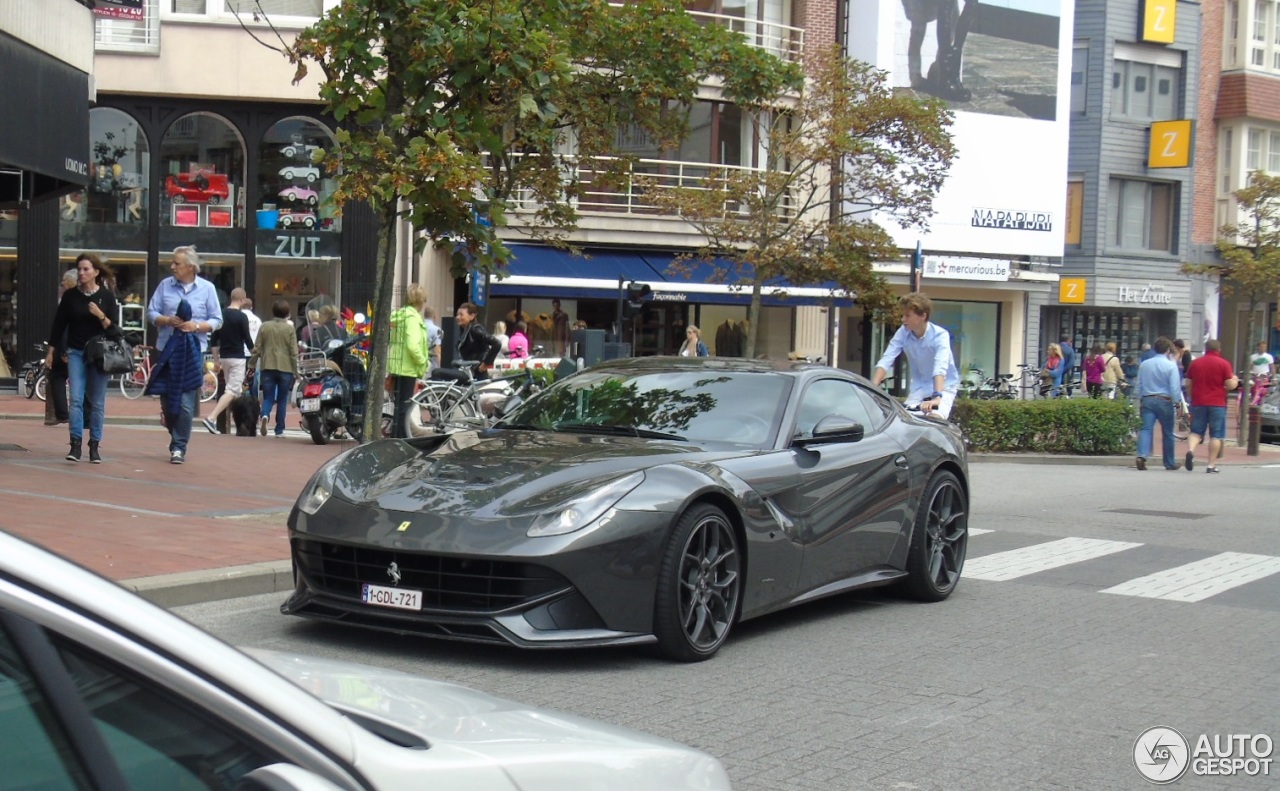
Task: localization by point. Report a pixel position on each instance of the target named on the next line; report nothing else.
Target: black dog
(245, 410)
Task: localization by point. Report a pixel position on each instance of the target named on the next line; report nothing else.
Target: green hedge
(1082, 426)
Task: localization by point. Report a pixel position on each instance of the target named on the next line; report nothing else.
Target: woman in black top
(85, 312)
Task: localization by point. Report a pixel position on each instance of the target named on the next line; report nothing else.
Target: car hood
(497, 474)
(539, 749)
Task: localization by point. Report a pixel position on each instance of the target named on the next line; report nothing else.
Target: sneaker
(176, 457)
(1141, 463)
(210, 425)
(94, 457)
(1212, 469)
(74, 453)
(262, 427)
(1190, 461)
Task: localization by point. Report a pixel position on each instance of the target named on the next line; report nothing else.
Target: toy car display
(293, 149)
(300, 194)
(304, 218)
(200, 187)
(308, 172)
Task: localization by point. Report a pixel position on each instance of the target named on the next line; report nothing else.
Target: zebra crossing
(1216, 576)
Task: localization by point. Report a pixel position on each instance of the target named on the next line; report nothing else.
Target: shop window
(1142, 215)
(111, 213)
(975, 335)
(295, 188)
(202, 199)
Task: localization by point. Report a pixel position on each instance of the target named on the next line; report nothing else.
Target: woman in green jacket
(407, 353)
(275, 356)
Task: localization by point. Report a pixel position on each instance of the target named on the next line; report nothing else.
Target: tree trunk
(384, 285)
(753, 320)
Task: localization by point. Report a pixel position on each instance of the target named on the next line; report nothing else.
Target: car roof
(795, 368)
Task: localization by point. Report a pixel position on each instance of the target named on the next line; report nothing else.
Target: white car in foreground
(102, 689)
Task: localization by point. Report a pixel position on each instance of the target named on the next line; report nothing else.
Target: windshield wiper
(625, 431)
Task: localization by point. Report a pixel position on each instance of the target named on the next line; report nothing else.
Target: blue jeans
(180, 424)
(86, 380)
(275, 392)
(1157, 409)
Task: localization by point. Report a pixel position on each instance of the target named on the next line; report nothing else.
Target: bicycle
(33, 379)
(134, 383)
(438, 406)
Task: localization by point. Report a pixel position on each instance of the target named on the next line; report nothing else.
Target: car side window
(158, 741)
(831, 397)
(877, 403)
(36, 751)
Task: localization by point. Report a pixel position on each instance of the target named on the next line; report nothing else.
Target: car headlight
(319, 490)
(582, 511)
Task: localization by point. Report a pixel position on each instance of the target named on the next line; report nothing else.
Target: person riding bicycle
(934, 376)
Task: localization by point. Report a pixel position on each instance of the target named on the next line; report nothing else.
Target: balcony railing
(607, 188)
(783, 41)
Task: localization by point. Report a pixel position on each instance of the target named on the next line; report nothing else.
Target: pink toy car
(300, 194)
(304, 218)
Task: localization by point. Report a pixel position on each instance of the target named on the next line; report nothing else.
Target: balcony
(783, 41)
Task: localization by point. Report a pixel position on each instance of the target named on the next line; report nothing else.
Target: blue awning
(542, 271)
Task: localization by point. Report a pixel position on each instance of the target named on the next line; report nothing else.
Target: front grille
(447, 583)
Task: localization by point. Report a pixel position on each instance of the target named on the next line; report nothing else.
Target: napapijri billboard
(1004, 69)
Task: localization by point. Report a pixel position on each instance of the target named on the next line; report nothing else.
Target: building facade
(1134, 108)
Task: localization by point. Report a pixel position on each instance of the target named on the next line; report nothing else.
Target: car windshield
(698, 406)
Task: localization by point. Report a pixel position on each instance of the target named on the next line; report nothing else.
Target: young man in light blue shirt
(934, 376)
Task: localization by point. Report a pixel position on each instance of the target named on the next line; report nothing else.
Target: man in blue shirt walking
(934, 376)
(1159, 388)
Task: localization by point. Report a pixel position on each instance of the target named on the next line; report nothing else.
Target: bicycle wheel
(27, 384)
(1182, 424)
(209, 389)
(42, 386)
(134, 383)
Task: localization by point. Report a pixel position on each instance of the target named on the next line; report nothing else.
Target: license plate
(1270, 409)
(400, 598)
(309, 405)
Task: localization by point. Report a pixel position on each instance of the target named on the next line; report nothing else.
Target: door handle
(900, 461)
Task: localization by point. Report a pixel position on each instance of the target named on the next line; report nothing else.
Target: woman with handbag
(85, 313)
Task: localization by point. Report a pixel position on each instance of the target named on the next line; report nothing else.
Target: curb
(126, 420)
(198, 587)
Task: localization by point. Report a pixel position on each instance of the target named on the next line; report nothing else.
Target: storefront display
(203, 158)
(1127, 329)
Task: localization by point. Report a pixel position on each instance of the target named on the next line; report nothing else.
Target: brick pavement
(213, 527)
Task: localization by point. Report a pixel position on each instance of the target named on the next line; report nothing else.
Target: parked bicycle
(440, 406)
(33, 378)
(134, 383)
(976, 384)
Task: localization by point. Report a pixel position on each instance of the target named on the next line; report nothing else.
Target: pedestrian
(935, 380)
(504, 342)
(275, 358)
(1070, 361)
(1211, 378)
(1263, 367)
(1113, 375)
(55, 405)
(1094, 366)
(1159, 388)
(1183, 356)
(435, 335)
(231, 345)
(407, 354)
(1147, 353)
(693, 345)
(476, 344)
(305, 333)
(518, 346)
(84, 313)
(184, 285)
(1052, 371)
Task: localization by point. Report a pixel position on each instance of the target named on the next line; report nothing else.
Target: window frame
(1119, 200)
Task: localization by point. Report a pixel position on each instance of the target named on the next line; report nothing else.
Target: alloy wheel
(710, 583)
(946, 534)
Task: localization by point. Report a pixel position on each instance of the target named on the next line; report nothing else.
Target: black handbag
(112, 355)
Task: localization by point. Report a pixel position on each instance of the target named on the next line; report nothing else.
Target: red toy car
(208, 188)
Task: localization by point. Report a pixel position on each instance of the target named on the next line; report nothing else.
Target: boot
(93, 452)
(74, 453)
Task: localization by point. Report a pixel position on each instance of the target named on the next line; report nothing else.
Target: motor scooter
(331, 398)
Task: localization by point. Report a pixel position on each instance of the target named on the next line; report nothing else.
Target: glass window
(1273, 154)
(1079, 74)
(157, 740)
(828, 397)
(111, 213)
(295, 183)
(202, 159)
(308, 8)
(1145, 91)
(36, 754)
(1253, 152)
(975, 335)
(1142, 215)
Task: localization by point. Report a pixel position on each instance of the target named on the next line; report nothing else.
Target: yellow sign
(1159, 21)
(1170, 145)
(1071, 290)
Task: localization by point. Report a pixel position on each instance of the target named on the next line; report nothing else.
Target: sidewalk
(214, 527)
(208, 529)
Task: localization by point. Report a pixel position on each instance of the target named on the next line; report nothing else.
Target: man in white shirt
(1263, 363)
(934, 376)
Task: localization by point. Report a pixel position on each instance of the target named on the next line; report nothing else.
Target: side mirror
(832, 429)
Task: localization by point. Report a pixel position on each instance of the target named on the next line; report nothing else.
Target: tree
(449, 108)
(847, 152)
(1250, 254)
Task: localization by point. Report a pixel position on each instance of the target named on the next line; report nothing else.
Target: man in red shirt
(1211, 377)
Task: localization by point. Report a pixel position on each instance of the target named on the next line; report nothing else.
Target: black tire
(699, 586)
(319, 431)
(939, 540)
(28, 384)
